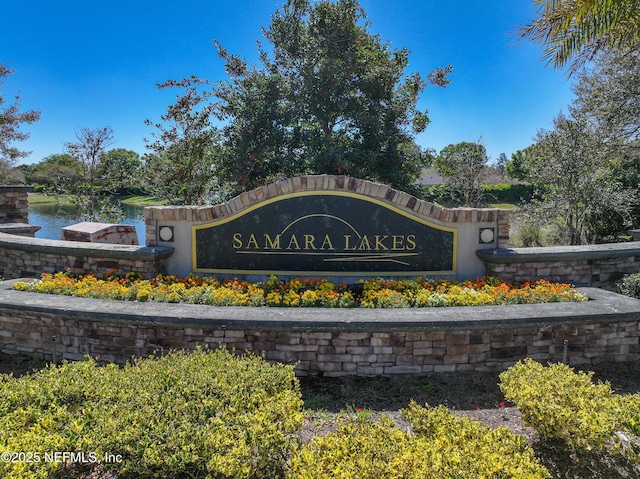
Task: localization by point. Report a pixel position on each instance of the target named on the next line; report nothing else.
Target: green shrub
(630, 285)
(508, 193)
(562, 405)
(442, 446)
(200, 414)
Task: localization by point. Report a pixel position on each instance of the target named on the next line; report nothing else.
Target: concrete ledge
(72, 248)
(17, 188)
(560, 253)
(604, 306)
(21, 229)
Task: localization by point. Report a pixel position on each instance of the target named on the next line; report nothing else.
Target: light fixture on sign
(166, 233)
(487, 235)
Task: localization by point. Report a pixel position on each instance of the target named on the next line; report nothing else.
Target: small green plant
(630, 285)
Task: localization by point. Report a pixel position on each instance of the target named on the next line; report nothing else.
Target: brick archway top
(331, 183)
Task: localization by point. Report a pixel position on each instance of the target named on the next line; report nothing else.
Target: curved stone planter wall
(321, 342)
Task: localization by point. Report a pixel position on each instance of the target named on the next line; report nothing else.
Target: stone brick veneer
(156, 214)
(319, 341)
(28, 257)
(14, 204)
(599, 265)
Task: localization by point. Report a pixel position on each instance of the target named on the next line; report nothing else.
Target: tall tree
(59, 172)
(464, 168)
(576, 30)
(518, 167)
(183, 168)
(571, 167)
(11, 119)
(88, 150)
(120, 171)
(329, 98)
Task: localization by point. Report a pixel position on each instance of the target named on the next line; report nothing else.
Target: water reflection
(53, 217)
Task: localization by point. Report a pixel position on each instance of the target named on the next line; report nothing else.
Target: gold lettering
(327, 241)
(379, 243)
(397, 242)
(308, 242)
(364, 244)
(293, 241)
(237, 241)
(411, 239)
(253, 242)
(346, 243)
(271, 244)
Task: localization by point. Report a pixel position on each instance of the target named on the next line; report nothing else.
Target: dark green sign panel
(324, 233)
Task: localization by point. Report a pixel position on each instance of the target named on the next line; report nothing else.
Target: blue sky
(94, 64)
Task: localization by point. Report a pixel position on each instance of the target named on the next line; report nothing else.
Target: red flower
(360, 409)
(477, 408)
(501, 404)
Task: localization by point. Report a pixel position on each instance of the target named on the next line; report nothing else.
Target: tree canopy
(11, 119)
(576, 30)
(328, 97)
(608, 96)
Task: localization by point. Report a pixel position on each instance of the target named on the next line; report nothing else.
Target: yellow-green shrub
(200, 414)
(463, 448)
(441, 447)
(562, 405)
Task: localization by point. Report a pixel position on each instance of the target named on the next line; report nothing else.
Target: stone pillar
(14, 204)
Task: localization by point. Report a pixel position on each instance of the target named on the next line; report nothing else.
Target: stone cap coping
(74, 248)
(18, 228)
(329, 183)
(27, 188)
(560, 253)
(604, 306)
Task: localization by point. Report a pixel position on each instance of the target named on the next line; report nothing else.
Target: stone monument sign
(329, 226)
(324, 233)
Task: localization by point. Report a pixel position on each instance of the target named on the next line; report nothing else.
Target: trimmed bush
(441, 447)
(564, 406)
(201, 414)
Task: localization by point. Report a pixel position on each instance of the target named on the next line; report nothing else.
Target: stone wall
(601, 266)
(29, 257)
(14, 204)
(320, 342)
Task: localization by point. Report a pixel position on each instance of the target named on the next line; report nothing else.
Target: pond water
(52, 218)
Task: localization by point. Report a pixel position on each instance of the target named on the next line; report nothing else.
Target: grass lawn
(39, 199)
(142, 201)
(504, 206)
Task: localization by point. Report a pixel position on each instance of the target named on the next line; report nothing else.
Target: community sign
(324, 233)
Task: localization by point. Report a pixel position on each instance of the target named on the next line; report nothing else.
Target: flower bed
(317, 292)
